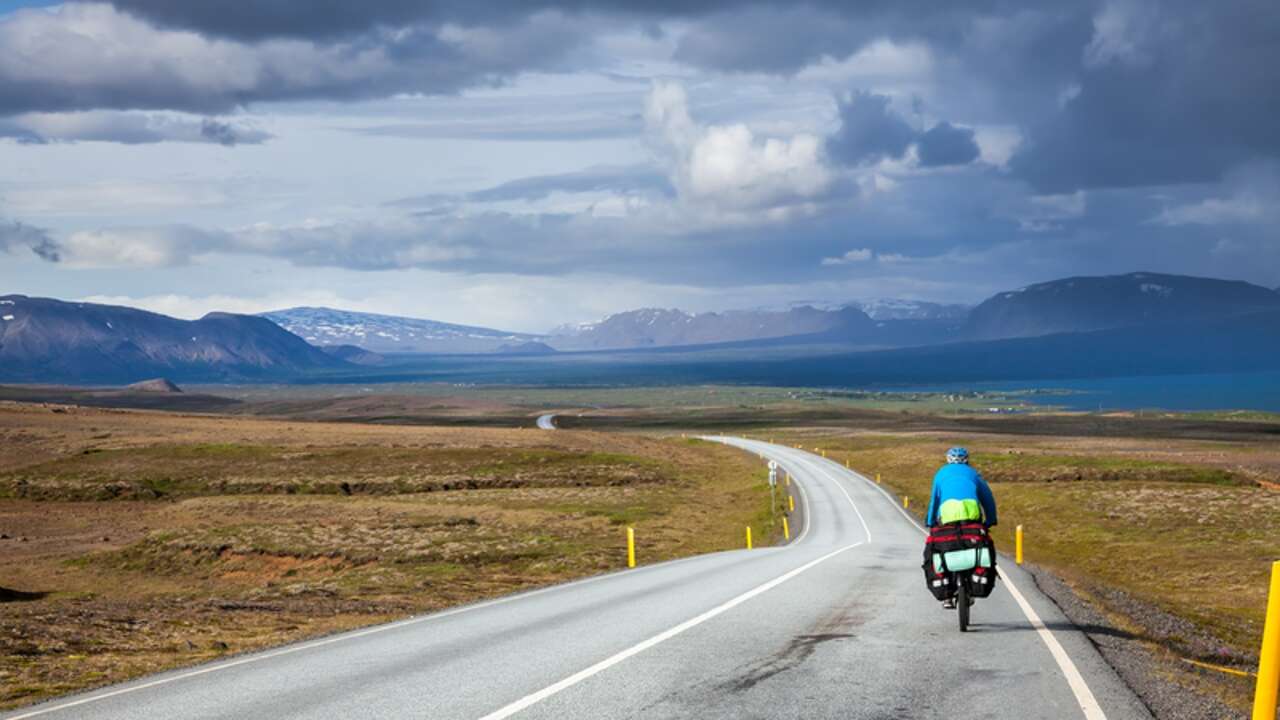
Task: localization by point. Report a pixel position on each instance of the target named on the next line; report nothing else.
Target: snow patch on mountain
(389, 333)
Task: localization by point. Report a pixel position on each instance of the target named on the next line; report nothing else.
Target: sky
(527, 164)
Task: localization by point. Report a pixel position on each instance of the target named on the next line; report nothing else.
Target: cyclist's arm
(988, 502)
(930, 516)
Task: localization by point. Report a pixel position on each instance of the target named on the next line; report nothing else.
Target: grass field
(133, 541)
(1172, 539)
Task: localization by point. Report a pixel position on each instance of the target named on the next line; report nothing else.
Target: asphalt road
(837, 624)
(547, 422)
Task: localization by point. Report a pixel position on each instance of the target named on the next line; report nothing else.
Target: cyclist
(959, 495)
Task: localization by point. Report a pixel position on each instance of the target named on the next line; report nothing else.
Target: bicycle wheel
(962, 605)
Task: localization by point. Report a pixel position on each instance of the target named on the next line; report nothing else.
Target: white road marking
(44, 710)
(1084, 696)
(543, 694)
(547, 422)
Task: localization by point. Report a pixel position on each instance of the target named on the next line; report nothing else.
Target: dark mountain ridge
(42, 339)
(1083, 304)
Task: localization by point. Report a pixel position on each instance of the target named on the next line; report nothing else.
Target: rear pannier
(959, 548)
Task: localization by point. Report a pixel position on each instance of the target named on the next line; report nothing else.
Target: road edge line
(1079, 687)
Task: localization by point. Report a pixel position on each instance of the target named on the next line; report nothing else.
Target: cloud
(634, 179)
(852, 256)
(129, 128)
(946, 144)
(728, 167)
(94, 56)
(1169, 93)
(869, 131)
(1213, 211)
(15, 235)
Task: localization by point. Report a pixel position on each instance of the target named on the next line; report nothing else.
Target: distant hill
(389, 333)
(526, 348)
(354, 354)
(44, 340)
(655, 327)
(1082, 304)
(158, 385)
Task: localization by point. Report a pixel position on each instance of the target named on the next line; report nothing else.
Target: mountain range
(1085, 323)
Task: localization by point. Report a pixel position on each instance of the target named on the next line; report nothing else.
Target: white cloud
(1120, 33)
(881, 63)
(144, 247)
(1213, 211)
(852, 256)
(726, 167)
(1047, 213)
(997, 143)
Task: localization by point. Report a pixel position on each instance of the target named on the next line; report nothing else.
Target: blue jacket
(960, 482)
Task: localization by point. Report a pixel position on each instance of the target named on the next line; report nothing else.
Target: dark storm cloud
(334, 18)
(869, 131)
(946, 144)
(1109, 93)
(1168, 93)
(15, 235)
(107, 59)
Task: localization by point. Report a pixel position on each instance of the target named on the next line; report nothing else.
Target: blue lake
(1241, 391)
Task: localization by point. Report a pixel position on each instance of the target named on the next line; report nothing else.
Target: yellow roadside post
(877, 478)
(906, 501)
(824, 454)
(788, 480)
(1264, 700)
(1017, 545)
(748, 537)
(631, 547)
(791, 503)
(786, 529)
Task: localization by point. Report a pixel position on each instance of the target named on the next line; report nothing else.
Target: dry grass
(138, 541)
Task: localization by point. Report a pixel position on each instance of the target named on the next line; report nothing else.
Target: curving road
(547, 422)
(835, 625)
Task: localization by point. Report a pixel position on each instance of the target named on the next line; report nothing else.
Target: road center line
(638, 648)
(50, 707)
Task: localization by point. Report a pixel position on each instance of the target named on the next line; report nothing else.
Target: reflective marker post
(631, 547)
(1264, 700)
(1017, 545)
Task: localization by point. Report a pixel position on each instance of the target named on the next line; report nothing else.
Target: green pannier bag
(958, 560)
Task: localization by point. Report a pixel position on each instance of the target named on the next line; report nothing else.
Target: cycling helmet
(958, 455)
